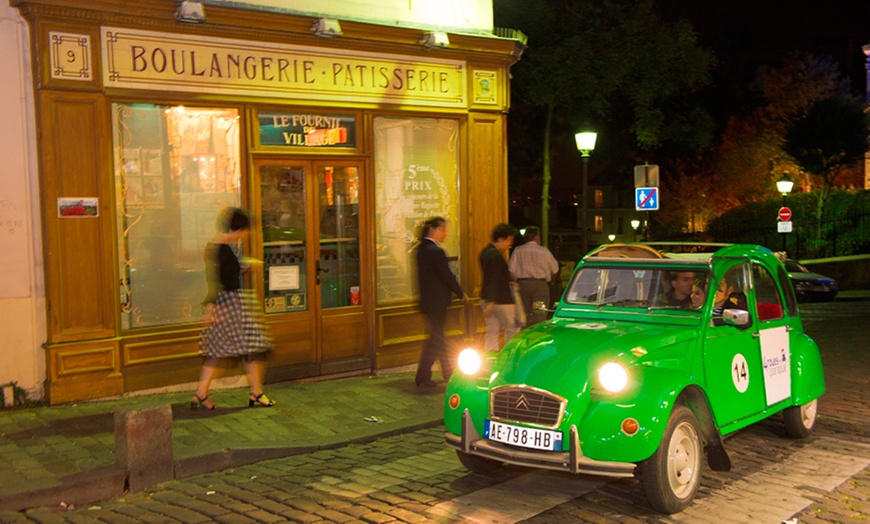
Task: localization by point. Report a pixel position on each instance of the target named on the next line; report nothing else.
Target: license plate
(524, 437)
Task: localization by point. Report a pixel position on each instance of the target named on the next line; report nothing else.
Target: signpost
(646, 192)
(783, 225)
(646, 198)
(646, 175)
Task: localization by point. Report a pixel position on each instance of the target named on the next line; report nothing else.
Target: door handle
(318, 270)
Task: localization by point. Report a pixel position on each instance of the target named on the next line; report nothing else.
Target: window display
(416, 178)
(175, 169)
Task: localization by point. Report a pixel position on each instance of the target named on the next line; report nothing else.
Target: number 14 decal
(740, 373)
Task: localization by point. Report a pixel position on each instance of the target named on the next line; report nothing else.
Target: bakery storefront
(339, 147)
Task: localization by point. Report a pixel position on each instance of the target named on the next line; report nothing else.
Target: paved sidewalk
(65, 454)
(853, 294)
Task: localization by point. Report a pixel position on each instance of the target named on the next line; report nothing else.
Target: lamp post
(585, 144)
(784, 185)
(634, 225)
(611, 237)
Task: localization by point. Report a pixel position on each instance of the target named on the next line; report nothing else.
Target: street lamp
(611, 237)
(784, 185)
(585, 144)
(634, 225)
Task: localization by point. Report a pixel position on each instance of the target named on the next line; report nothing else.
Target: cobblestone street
(413, 477)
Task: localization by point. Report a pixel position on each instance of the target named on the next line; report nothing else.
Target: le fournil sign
(151, 60)
(282, 128)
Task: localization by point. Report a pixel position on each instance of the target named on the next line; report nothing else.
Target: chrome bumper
(573, 461)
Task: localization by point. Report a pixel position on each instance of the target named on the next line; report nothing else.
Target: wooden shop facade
(339, 147)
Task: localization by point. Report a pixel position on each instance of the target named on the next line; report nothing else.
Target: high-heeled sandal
(260, 400)
(200, 403)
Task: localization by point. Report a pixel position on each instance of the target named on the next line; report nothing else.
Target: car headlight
(469, 361)
(612, 377)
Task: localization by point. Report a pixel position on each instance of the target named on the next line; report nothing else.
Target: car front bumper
(573, 461)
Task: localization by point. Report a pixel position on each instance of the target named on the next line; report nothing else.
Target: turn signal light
(630, 426)
(453, 401)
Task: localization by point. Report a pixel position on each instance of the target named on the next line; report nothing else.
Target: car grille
(528, 405)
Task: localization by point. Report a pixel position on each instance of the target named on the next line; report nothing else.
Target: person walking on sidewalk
(234, 324)
(533, 267)
(435, 283)
(496, 296)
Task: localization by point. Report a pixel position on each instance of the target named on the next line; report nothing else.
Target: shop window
(416, 178)
(175, 169)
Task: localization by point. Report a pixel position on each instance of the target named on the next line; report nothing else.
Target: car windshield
(676, 288)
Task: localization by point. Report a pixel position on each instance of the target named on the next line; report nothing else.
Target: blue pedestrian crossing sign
(646, 198)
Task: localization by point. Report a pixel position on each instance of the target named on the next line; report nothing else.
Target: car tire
(671, 476)
(477, 464)
(800, 420)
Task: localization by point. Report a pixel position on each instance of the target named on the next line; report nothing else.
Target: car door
(773, 333)
(732, 354)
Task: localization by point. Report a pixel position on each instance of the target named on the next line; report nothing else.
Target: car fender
(471, 393)
(649, 401)
(807, 375)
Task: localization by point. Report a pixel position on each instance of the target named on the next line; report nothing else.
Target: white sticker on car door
(776, 361)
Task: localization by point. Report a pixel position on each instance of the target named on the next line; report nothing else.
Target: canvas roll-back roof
(669, 253)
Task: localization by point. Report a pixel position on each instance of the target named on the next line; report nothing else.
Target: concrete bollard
(143, 445)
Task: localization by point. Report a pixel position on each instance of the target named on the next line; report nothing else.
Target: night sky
(743, 35)
(747, 33)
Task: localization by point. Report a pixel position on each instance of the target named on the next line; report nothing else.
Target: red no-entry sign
(784, 214)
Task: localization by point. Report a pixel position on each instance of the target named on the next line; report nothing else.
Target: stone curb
(110, 482)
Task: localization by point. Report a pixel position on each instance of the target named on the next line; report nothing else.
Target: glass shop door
(310, 212)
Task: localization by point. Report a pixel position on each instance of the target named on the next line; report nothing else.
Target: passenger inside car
(730, 294)
(699, 292)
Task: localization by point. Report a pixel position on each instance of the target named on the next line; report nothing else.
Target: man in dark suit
(436, 284)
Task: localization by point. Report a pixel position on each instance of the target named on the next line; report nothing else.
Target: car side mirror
(736, 317)
(540, 305)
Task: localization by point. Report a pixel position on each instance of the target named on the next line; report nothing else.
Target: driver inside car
(680, 294)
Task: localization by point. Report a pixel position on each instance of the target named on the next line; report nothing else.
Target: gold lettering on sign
(150, 60)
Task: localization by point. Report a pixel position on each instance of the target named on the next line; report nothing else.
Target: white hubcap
(808, 413)
(683, 460)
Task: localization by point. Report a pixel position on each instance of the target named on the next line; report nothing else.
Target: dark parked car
(809, 285)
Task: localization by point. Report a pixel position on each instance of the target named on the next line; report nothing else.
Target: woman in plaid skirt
(234, 325)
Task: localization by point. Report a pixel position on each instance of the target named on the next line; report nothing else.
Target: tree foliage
(832, 134)
(591, 60)
(752, 152)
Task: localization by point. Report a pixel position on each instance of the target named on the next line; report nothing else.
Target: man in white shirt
(533, 267)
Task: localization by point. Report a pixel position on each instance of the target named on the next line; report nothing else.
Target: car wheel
(672, 475)
(477, 464)
(800, 420)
